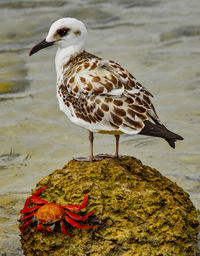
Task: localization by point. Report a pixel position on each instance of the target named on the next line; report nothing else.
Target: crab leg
(26, 224)
(27, 202)
(77, 217)
(35, 194)
(39, 191)
(83, 205)
(63, 229)
(77, 208)
(76, 224)
(26, 210)
(27, 216)
(37, 200)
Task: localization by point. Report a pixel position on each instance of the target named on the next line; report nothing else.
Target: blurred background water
(158, 41)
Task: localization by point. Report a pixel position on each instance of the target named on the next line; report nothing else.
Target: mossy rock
(139, 212)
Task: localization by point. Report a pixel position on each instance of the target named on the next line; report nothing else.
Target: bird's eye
(63, 31)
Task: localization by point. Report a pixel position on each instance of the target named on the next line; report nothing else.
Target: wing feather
(105, 96)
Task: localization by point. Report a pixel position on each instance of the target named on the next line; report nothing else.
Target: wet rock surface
(138, 212)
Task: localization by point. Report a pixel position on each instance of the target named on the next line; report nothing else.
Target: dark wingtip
(156, 130)
(180, 138)
(171, 143)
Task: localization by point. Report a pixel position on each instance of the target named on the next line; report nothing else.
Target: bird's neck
(63, 55)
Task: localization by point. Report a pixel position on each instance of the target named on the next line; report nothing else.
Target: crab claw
(51, 228)
(40, 228)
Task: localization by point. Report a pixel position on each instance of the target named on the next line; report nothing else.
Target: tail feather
(159, 130)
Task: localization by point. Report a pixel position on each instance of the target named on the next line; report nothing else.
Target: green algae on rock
(138, 212)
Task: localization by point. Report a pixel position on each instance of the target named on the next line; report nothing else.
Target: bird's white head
(65, 33)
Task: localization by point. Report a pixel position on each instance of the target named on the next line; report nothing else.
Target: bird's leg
(91, 139)
(92, 158)
(116, 155)
(117, 146)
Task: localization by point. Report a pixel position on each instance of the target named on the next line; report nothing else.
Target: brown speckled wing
(105, 95)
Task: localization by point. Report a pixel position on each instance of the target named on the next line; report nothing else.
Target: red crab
(49, 213)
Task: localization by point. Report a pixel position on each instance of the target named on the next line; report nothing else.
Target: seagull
(97, 94)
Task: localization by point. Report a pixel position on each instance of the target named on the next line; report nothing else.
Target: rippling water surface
(158, 41)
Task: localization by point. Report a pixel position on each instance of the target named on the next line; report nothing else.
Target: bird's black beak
(39, 46)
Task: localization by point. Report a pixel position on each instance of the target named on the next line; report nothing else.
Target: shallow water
(158, 41)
